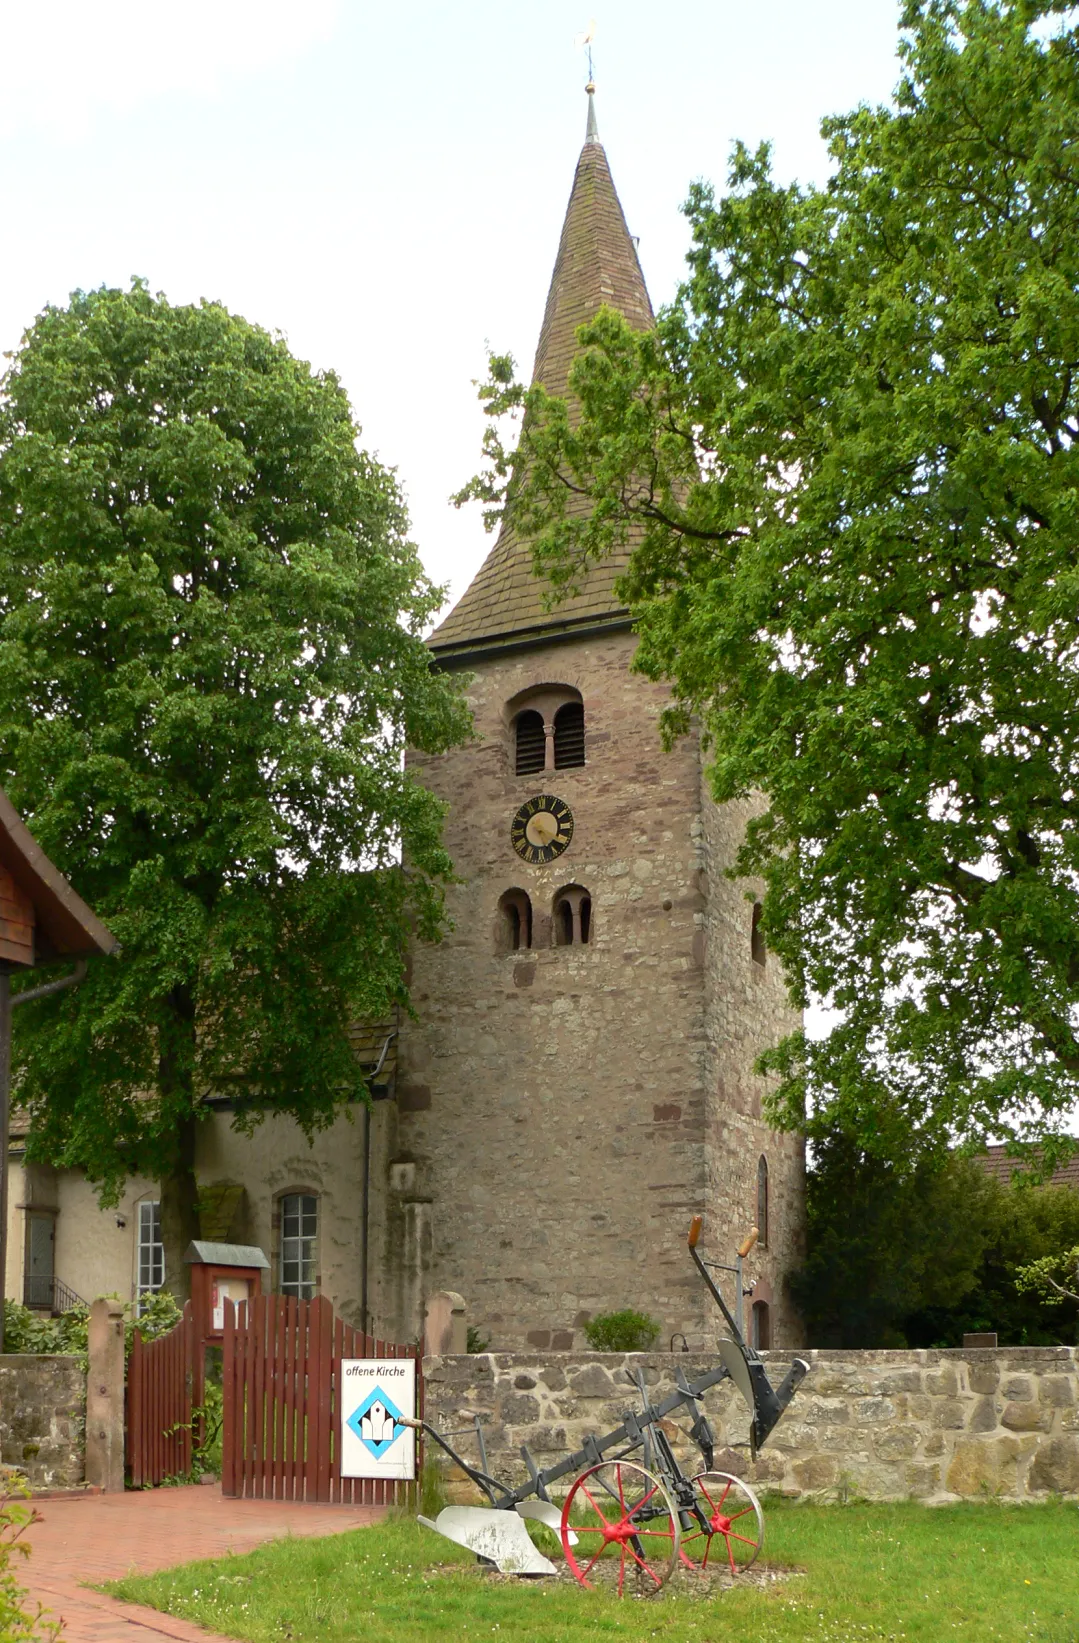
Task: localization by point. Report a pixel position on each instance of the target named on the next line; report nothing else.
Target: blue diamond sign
(375, 1422)
(377, 1396)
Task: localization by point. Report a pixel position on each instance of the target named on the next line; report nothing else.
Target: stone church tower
(579, 1083)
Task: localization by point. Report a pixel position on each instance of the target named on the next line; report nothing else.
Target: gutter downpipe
(366, 1214)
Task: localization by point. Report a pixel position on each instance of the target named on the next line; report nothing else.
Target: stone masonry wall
(43, 1419)
(927, 1425)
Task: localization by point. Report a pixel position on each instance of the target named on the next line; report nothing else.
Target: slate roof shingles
(597, 263)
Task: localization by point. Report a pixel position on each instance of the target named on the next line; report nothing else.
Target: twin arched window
(548, 730)
(570, 924)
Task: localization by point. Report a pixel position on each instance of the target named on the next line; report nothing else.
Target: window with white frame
(299, 1231)
(151, 1251)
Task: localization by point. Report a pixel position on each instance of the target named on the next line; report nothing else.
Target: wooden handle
(694, 1231)
(747, 1242)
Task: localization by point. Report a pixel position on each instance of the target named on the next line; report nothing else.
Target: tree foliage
(847, 459)
(918, 1252)
(210, 664)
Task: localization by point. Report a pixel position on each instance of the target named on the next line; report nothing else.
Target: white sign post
(375, 1394)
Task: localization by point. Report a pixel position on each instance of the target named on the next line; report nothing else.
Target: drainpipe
(364, 1310)
(7, 1004)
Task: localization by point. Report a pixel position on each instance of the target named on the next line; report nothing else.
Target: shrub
(625, 1331)
(20, 1621)
(34, 1332)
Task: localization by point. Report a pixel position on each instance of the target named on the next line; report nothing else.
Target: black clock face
(542, 829)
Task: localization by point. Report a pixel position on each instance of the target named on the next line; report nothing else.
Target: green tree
(846, 461)
(210, 664)
(886, 1240)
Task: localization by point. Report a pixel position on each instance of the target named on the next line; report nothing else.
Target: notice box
(375, 1394)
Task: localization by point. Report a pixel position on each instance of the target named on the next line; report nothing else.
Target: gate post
(105, 1396)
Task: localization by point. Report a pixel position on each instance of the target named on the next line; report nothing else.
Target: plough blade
(544, 1512)
(766, 1403)
(499, 1537)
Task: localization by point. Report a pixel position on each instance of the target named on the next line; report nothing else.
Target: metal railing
(49, 1295)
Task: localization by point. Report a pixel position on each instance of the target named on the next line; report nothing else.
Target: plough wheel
(626, 1526)
(735, 1532)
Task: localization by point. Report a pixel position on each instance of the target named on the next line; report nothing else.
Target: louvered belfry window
(569, 736)
(530, 743)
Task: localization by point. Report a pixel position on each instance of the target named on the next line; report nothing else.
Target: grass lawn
(907, 1572)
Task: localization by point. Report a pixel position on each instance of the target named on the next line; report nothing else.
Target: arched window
(569, 736)
(756, 935)
(531, 742)
(761, 1333)
(762, 1202)
(297, 1273)
(572, 916)
(514, 921)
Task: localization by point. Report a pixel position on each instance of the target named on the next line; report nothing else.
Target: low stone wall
(928, 1425)
(43, 1418)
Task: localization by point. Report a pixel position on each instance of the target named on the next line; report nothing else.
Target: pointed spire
(591, 131)
(596, 265)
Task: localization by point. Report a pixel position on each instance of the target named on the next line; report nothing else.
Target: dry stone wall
(43, 1419)
(930, 1425)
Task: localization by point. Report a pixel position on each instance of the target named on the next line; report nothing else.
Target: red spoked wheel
(735, 1525)
(626, 1527)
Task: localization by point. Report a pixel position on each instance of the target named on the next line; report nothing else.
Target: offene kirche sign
(378, 1397)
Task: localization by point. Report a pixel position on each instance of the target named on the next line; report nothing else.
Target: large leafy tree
(210, 664)
(846, 459)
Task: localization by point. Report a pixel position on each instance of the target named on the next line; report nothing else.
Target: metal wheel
(735, 1522)
(626, 1526)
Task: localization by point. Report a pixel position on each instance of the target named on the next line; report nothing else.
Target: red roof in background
(996, 1161)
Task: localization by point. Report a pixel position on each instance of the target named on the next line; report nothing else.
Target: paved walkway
(103, 1537)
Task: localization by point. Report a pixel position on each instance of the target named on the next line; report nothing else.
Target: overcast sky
(385, 184)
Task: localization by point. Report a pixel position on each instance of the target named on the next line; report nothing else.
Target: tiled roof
(1002, 1166)
(596, 264)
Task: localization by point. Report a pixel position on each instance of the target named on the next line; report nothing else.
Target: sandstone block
(942, 1383)
(983, 1373)
(816, 1472)
(950, 1414)
(983, 1417)
(1026, 1417)
(519, 1409)
(922, 1481)
(983, 1466)
(1020, 1388)
(553, 1377)
(872, 1411)
(1057, 1390)
(934, 1444)
(904, 1380)
(896, 1442)
(1055, 1468)
(591, 1382)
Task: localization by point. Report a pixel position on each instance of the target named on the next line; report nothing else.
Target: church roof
(504, 605)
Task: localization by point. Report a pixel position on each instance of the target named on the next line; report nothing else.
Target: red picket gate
(282, 1368)
(164, 1386)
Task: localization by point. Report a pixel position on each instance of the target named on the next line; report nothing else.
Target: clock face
(542, 829)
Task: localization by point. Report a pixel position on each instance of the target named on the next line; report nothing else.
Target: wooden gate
(282, 1367)
(164, 1387)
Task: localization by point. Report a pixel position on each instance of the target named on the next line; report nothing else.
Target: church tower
(579, 1080)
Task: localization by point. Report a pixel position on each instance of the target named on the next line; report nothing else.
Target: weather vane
(586, 40)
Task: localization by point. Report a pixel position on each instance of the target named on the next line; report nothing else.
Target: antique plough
(631, 1523)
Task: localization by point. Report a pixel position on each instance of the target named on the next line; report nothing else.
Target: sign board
(224, 1287)
(374, 1394)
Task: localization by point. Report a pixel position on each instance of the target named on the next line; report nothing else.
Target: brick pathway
(106, 1536)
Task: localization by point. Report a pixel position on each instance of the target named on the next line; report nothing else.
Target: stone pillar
(445, 1332)
(548, 747)
(105, 1396)
(415, 1266)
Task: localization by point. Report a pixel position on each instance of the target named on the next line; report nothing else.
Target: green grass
(871, 1572)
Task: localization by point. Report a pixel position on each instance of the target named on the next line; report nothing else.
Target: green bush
(34, 1332)
(625, 1331)
(20, 1620)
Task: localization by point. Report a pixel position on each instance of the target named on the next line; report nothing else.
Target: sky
(385, 185)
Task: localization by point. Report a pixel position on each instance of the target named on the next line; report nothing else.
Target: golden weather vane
(586, 40)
